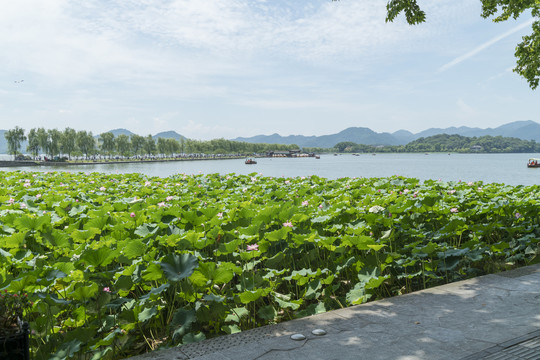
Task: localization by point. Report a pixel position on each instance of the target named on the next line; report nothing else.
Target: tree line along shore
(73, 146)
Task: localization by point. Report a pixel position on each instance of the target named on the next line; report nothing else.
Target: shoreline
(32, 163)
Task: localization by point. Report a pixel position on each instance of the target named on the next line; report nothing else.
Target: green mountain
(169, 135)
(525, 130)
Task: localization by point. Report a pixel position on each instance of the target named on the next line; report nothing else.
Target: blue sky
(228, 68)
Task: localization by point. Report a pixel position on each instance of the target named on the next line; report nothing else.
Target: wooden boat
(317, 157)
(533, 163)
(250, 162)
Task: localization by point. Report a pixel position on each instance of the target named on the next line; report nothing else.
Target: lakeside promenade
(31, 163)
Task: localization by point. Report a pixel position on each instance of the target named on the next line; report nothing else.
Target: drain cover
(298, 337)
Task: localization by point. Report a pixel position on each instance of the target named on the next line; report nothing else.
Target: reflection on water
(499, 168)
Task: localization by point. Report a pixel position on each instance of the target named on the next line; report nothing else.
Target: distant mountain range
(526, 130)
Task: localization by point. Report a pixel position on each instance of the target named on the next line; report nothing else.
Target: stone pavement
(487, 318)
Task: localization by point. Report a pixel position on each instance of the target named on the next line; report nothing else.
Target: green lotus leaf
(361, 242)
(320, 219)
(181, 322)
(193, 338)
(117, 303)
(32, 223)
(357, 295)
(23, 284)
(76, 210)
(14, 241)
(146, 230)
(5, 253)
(100, 257)
(251, 295)
(147, 314)
(237, 314)
(57, 238)
(213, 298)
(231, 329)
(134, 248)
(97, 223)
(67, 350)
(83, 236)
(293, 305)
(55, 274)
(85, 292)
(277, 234)
(267, 312)
(177, 267)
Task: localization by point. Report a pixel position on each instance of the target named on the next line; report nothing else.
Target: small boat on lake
(533, 163)
(317, 157)
(250, 162)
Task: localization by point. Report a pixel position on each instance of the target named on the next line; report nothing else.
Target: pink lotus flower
(470, 183)
(23, 206)
(287, 182)
(107, 289)
(451, 192)
(11, 200)
(320, 206)
(454, 210)
(161, 204)
(220, 215)
(132, 214)
(38, 196)
(26, 184)
(147, 183)
(169, 198)
(288, 224)
(254, 247)
(305, 203)
(103, 188)
(518, 215)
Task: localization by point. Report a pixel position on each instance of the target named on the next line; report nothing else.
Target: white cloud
(465, 111)
(485, 45)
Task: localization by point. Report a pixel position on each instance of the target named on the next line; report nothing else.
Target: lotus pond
(118, 265)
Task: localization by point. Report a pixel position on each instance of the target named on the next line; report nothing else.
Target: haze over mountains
(526, 130)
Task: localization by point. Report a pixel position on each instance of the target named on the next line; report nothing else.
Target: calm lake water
(498, 168)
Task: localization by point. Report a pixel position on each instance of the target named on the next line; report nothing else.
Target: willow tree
(14, 138)
(527, 51)
(68, 142)
(123, 144)
(33, 143)
(107, 143)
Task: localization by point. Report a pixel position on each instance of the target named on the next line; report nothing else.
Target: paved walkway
(490, 318)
